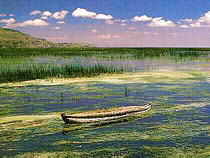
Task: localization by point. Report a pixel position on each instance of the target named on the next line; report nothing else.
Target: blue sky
(112, 22)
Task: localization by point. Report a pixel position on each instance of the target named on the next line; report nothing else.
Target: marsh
(176, 81)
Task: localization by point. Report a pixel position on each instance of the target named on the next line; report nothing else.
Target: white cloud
(184, 26)
(110, 22)
(94, 31)
(108, 36)
(35, 22)
(11, 15)
(103, 17)
(154, 22)
(7, 21)
(123, 24)
(121, 21)
(44, 17)
(141, 18)
(203, 21)
(60, 22)
(56, 28)
(160, 22)
(2, 15)
(46, 13)
(205, 18)
(35, 12)
(60, 15)
(188, 20)
(80, 12)
(196, 24)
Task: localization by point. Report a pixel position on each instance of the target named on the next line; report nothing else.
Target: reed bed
(40, 71)
(136, 52)
(23, 69)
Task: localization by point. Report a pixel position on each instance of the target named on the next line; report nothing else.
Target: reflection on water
(133, 64)
(177, 124)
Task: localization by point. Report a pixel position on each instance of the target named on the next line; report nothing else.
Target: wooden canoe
(105, 114)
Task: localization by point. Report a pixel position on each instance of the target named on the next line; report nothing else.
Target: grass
(139, 53)
(19, 73)
(16, 70)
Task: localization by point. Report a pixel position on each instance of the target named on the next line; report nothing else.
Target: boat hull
(101, 116)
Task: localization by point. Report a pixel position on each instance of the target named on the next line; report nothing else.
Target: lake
(177, 126)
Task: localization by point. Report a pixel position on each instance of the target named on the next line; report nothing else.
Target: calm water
(178, 124)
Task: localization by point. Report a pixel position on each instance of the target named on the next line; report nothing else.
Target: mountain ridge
(10, 38)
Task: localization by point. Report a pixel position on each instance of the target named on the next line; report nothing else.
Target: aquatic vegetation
(125, 78)
(35, 71)
(144, 151)
(29, 64)
(177, 125)
(25, 121)
(173, 152)
(137, 52)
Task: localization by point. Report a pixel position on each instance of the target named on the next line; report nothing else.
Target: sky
(112, 23)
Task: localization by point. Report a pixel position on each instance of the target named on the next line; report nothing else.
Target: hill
(14, 39)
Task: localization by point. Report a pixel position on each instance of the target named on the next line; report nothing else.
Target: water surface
(177, 125)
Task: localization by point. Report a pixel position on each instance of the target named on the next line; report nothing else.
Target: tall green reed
(41, 71)
(137, 52)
